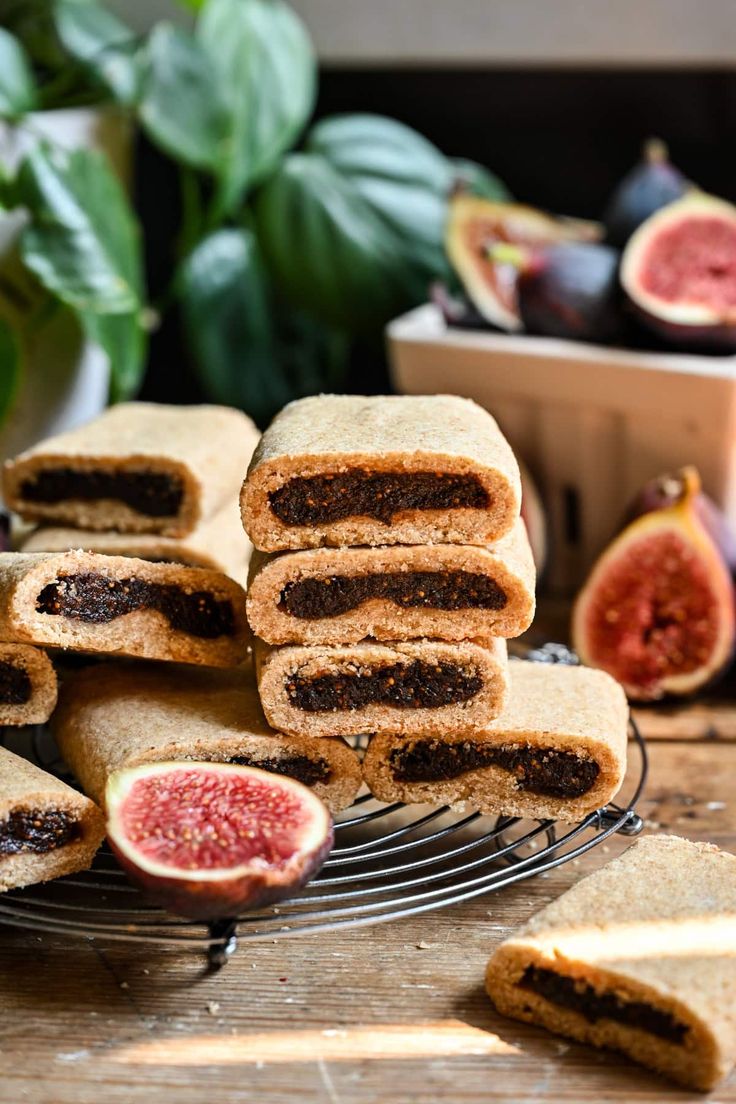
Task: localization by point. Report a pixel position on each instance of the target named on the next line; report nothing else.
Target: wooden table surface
(381, 1015)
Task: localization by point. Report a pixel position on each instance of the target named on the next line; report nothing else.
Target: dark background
(560, 139)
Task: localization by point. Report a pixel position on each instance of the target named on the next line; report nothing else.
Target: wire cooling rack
(388, 861)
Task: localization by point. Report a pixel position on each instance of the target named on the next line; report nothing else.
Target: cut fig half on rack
(209, 840)
(657, 611)
(679, 271)
(476, 225)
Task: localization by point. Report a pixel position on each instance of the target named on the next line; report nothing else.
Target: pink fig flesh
(209, 840)
(657, 611)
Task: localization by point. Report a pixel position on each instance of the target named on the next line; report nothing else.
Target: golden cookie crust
(550, 706)
(386, 433)
(116, 715)
(656, 925)
(207, 447)
(145, 633)
(42, 675)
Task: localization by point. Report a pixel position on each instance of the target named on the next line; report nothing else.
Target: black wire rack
(389, 861)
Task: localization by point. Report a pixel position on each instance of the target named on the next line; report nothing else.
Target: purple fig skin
(665, 491)
(571, 290)
(651, 184)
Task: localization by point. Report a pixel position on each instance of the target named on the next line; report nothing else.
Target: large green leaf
(10, 368)
(17, 90)
(82, 240)
(246, 350)
(122, 338)
(101, 43)
(267, 72)
(181, 106)
(328, 250)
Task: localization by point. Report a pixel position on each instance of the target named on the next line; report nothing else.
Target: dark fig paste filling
(300, 767)
(451, 590)
(320, 499)
(98, 600)
(37, 831)
(543, 771)
(577, 995)
(154, 494)
(416, 685)
(15, 684)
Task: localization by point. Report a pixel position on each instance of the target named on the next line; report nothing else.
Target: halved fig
(657, 611)
(650, 185)
(475, 225)
(679, 271)
(208, 840)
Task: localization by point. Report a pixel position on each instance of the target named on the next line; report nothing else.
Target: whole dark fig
(657, 610)
(571, 290)
(651, 184)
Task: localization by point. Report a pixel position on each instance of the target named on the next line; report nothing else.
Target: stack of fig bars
(391, 565)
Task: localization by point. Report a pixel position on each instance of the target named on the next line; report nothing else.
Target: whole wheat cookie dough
(88, 602)
(47, 829)
(388, 469)
(424, 686)
(218, 543)
(138, 467)
(558, 750)
(117, 715)
(639, 957)
(28, 686)
(443, 591)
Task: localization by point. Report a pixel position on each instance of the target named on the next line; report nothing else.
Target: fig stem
(224, 940)
(656, 152)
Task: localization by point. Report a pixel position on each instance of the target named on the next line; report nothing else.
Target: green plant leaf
(480, 181)
(181, 107)
(82, 240)
(17, 89)
(267, 72)
(327, 249)
(248, 352)
(10, 369)
(101, 43)
(123, 339)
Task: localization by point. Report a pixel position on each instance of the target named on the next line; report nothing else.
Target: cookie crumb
(422, 945)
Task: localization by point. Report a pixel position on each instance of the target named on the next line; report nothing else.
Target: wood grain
(384, 1015)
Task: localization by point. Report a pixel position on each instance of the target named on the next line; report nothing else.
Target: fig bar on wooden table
(27, 685)
(639, 957)
(46, 828)
(558, 751)
(115, 716)
(139, 467)
(427, 686)
(93, 603)
(217, 542)
(354, 470)
(445, 591)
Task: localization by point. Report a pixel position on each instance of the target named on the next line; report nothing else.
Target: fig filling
(38, 831)
(15, 684)
(416, 685)
(538, 770)
(97, 600)
(300, 767)
(360, 492)
(577, 995)
(153, 494)
(313, 599)
(693, 261)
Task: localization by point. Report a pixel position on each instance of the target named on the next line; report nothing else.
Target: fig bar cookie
(427, 686)
(346, 469)
(92, 603)
(557, 750)
(640, 957)
(116, 715)
(217, 542)
(445, 591)
(139, 467)
(27, 685)
(46, 828)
